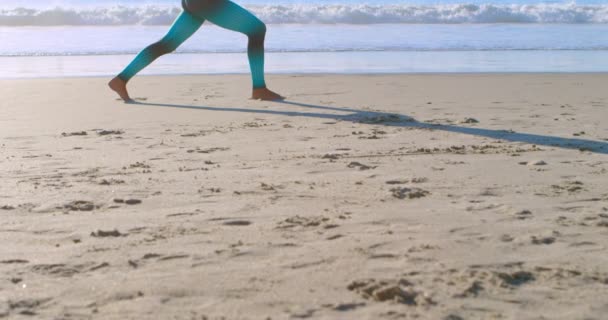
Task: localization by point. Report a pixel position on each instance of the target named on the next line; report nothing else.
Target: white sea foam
(322, 14)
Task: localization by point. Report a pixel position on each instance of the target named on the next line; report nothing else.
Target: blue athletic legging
(223, 13)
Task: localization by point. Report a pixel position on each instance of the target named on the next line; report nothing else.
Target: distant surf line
(568, 13)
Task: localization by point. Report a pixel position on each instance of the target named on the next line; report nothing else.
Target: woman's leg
(229, 15)
(184, 26)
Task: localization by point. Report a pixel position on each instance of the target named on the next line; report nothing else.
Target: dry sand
(470, 196)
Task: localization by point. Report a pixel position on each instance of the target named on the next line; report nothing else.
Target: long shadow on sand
(398, 120)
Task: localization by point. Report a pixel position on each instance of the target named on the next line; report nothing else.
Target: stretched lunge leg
(229, 15)
(183, 27)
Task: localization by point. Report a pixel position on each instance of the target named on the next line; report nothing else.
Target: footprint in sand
(132, 201)
(299, 221)
(174, 257)
(270, 187)
(209, 150)
(137, 165)
(77, 133)
(469, 120)
(183, 214)
(331, 156)
(334, 237)
(537, 163)
(408, 193)
(406, 181)
(523, 214)
(570, 187)
(359, 165)
(400, 291)
(376, 134)
(23, 307)
(237, 223)
(345, 306)
(67, 270)
(110, 182)
(12, 261)
(108, 233)
(103, 132)
(128, 201)
(542, 240)
(384, 118)
(80, 205)
(490, 281)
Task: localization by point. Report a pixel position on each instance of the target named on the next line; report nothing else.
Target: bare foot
(265, 94)
(120, 86)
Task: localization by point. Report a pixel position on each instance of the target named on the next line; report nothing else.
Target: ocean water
(97, 38)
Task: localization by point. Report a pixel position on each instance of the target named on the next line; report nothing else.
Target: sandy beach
(414, 196)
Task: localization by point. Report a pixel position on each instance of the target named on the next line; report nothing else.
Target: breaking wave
(320, 14)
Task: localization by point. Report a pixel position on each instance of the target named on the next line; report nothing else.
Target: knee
(261, 28)
(257, 33)
(162, 47)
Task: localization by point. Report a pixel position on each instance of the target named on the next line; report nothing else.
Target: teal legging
(223, 13)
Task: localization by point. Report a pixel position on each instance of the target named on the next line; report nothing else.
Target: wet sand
(457, 196)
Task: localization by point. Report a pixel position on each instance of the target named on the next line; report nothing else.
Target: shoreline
(376, 62)
(278, 74)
